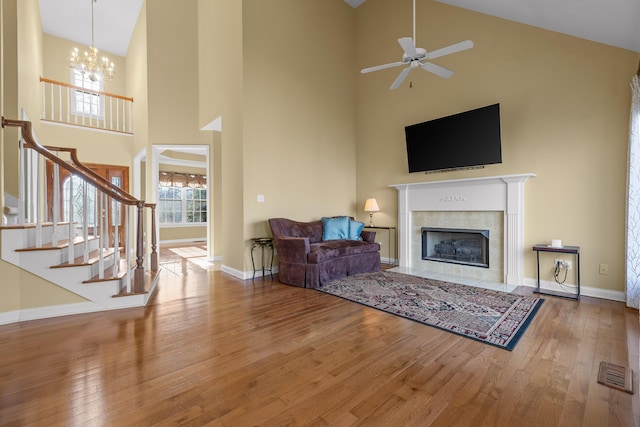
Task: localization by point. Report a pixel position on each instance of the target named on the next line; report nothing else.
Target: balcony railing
(67, 104)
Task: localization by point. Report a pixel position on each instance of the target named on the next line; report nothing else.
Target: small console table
(262, 243)
(395, 244)
(575, 250)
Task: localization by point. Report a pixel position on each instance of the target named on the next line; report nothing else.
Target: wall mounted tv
(464, 140)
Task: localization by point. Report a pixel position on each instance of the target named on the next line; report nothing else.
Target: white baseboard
(9, 317)
(570, 288)
(48, 312)
(245, 275)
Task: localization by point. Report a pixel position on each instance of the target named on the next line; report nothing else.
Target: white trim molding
(497, 193)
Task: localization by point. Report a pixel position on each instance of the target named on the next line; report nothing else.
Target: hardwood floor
(214, 350)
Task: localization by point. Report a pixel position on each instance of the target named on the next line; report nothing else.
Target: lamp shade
(371, 205)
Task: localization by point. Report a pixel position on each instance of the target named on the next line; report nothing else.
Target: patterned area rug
(493, 317)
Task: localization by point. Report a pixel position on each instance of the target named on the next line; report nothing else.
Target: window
(86, 103)
(78, 201)
(182, 205)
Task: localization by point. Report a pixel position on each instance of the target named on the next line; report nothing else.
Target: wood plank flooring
(214, 350)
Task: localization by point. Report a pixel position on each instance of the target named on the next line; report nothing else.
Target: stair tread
(108, 273)
(61, 245)
(149, 278)
(94, 257)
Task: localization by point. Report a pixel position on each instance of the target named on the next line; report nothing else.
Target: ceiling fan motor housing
(420, 54)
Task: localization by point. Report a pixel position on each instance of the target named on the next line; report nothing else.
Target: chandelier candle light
(371, 206)
(88, 64)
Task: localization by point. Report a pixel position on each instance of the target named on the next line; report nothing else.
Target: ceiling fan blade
(403, 75)
(408, 46)
(381, 67)
(458, 47)
(445, 73)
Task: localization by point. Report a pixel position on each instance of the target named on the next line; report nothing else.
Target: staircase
(82, 252)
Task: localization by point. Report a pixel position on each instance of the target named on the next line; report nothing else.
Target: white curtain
(633, 199)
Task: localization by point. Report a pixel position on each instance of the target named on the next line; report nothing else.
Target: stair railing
(110, 201)
(79, 106)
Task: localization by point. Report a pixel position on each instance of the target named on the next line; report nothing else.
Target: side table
(262, 243)
(575, 250)
(395, 244)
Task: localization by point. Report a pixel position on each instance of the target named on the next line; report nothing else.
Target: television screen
(467, 139)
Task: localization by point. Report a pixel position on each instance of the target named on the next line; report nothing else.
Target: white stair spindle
(60, 103)
(40, 187)
(55, 204)
(116, 237)
(43, 85)
(110, 113)
(85, 221)
(51, 113)
(99, 220)
(21, 185)
(68, 105)
(71, 233)
(127, 247)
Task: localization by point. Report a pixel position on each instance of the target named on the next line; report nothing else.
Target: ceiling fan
(414, 57)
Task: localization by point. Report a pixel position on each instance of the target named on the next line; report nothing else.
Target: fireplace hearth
(457, 246)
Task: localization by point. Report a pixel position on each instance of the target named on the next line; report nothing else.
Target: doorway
(117, 175)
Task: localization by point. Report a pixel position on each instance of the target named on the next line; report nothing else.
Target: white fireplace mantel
(497, 193)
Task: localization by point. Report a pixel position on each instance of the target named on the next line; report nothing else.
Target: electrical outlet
(604, 268)
(260, 198)
(560, 263)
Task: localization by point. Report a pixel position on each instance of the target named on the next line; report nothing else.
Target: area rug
(493, 317)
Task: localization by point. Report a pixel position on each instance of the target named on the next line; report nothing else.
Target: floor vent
(616, 376)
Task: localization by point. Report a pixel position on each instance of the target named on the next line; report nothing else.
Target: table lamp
(371, 206)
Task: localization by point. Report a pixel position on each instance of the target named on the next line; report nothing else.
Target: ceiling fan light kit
(414, 57)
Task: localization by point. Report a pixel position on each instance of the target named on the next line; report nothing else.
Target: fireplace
(456, 199)
(456, 246)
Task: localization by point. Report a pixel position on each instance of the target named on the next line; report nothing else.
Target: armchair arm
(292, 249)
(368, 236)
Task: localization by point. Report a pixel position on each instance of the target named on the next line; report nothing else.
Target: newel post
(139, 272)
(154, 242)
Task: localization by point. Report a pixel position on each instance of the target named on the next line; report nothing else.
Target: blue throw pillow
(355, 228)
(335, 228)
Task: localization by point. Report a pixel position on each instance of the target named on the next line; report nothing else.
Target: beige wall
(172, 78)
(136, 78)
(93, 147)
(292, 139)
(55, 57)
(181, 234)
(220, 44)
(20, 289)
(564, 106)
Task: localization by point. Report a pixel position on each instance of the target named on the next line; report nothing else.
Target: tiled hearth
(493, 203)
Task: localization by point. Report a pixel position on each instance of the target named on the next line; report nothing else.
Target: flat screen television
(463, 140)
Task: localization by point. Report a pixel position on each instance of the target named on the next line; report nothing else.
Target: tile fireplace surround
(496, 193)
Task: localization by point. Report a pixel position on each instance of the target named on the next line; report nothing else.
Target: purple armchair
(306, 260)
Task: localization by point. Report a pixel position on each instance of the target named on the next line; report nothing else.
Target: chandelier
(88, 64)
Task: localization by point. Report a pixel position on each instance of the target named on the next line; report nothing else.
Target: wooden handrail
(31, 143)
(84, 89)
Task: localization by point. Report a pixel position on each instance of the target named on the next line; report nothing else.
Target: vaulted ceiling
(612, 22)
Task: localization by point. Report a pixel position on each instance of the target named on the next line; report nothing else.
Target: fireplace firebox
(457, 246)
